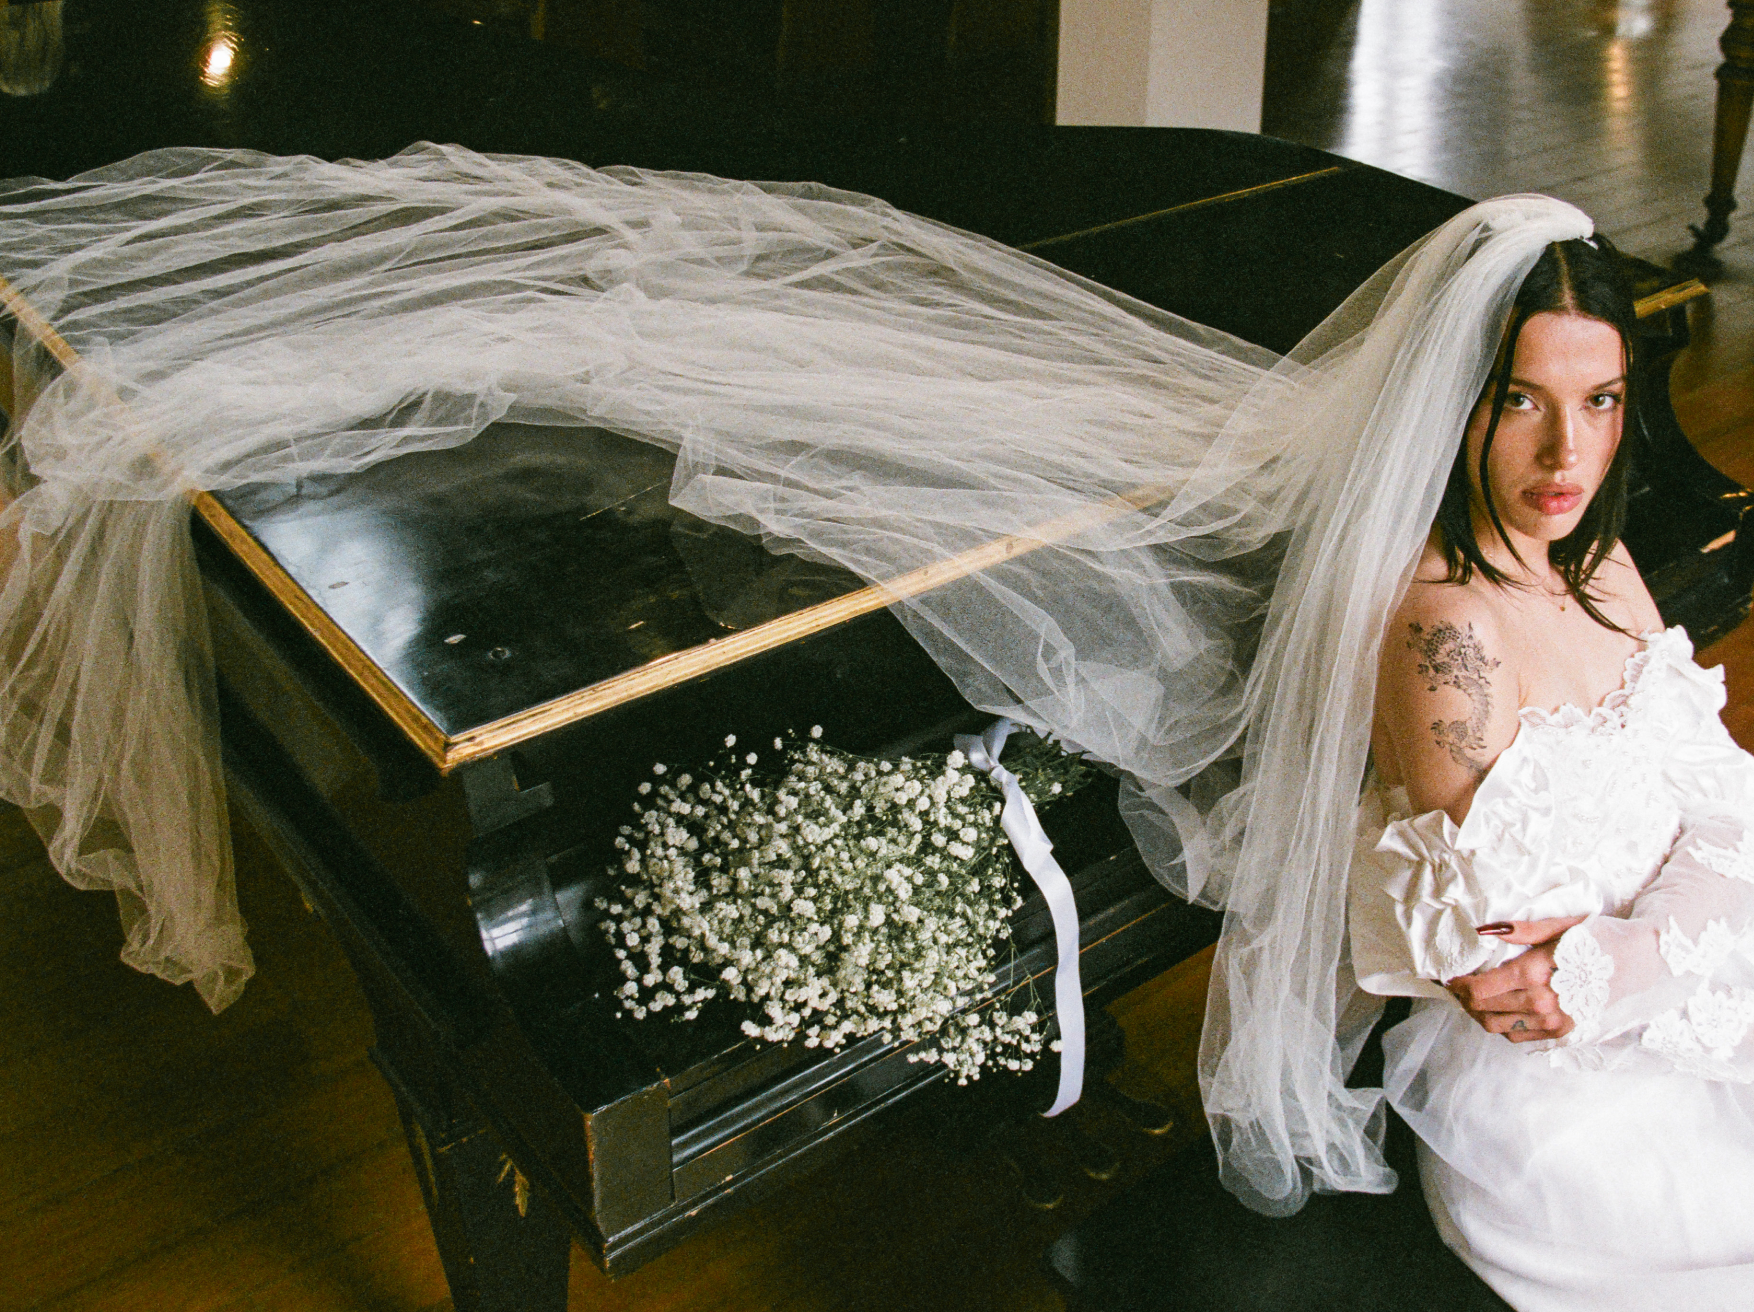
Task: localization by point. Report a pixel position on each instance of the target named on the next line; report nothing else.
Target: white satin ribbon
(1037, 854)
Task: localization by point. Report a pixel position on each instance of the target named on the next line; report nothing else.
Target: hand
(1515, 999)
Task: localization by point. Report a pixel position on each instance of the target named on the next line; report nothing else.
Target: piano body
(442, 678)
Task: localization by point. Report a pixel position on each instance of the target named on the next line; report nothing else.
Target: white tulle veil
(850, 382)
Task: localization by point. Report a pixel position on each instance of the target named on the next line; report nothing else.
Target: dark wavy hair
(1582, 276)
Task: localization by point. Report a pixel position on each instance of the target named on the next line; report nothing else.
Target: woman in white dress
(1555, 830)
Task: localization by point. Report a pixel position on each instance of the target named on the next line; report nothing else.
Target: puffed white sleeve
(1383, 959)
(1414, 895)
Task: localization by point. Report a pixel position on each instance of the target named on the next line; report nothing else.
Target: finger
(1540, 1003)
(1529, 932)
(1473, 989)
(1541, 1027)
(1517, 1002)
(1520, 1028)
(1532, 968)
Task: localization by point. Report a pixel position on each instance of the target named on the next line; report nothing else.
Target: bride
(1555, 830)
(1241, 544)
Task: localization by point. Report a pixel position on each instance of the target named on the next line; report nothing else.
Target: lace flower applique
(1581, 971)
(1731, 862)
(1686, 956)
(1701, 1038)
(1721, 1018)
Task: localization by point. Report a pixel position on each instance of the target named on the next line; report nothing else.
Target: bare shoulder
(1446, 693)
(1624, 598)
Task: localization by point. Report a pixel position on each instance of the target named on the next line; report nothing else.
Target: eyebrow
(1537, 387)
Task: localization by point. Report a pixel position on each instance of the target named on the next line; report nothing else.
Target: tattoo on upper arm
(1453, 657)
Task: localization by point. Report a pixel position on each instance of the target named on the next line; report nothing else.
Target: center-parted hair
(1582, 276)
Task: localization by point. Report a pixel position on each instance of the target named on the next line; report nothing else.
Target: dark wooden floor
(153, 1157)
(1604, 103)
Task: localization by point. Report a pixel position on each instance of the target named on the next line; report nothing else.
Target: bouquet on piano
(835, 897)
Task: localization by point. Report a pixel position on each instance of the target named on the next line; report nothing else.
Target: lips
(1555, 498)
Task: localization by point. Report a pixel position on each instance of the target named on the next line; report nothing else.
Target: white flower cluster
(846, 897)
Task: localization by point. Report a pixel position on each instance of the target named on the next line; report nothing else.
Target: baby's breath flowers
(839, 898)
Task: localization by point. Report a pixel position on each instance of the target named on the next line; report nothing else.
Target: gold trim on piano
(330, 636)
(1669, 297)
(1183, 208)
(692, 663)
(42, 332)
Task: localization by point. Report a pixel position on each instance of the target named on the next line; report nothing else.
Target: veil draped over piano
(1213, 534)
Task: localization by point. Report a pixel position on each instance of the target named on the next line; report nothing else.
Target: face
(1557, 435)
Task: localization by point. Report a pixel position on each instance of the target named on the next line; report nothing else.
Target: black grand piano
(441, 678)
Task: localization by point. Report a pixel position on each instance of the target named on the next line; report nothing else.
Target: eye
(1515, 400)
(1605, 400)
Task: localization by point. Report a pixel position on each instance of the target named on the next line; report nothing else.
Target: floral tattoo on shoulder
(1454, 658)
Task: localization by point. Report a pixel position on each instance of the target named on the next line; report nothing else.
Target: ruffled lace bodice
(1634, 814)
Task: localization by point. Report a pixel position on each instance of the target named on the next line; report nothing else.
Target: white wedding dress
(1614, 1168)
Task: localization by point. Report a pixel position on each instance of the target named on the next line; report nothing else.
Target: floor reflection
(1607, 104)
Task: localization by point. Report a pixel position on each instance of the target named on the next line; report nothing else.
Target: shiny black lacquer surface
(530, 562)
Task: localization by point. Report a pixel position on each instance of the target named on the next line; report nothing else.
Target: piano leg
(503, 1245)
(1735, 97)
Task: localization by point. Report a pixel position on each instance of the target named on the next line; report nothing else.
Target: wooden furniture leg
(504, 1247)
(1735, 97)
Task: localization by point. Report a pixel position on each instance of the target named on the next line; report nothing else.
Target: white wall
(1162, 63)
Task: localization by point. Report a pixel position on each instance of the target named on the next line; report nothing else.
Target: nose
(1559, 448)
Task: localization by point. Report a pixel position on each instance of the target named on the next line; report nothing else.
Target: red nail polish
(1497, 928)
